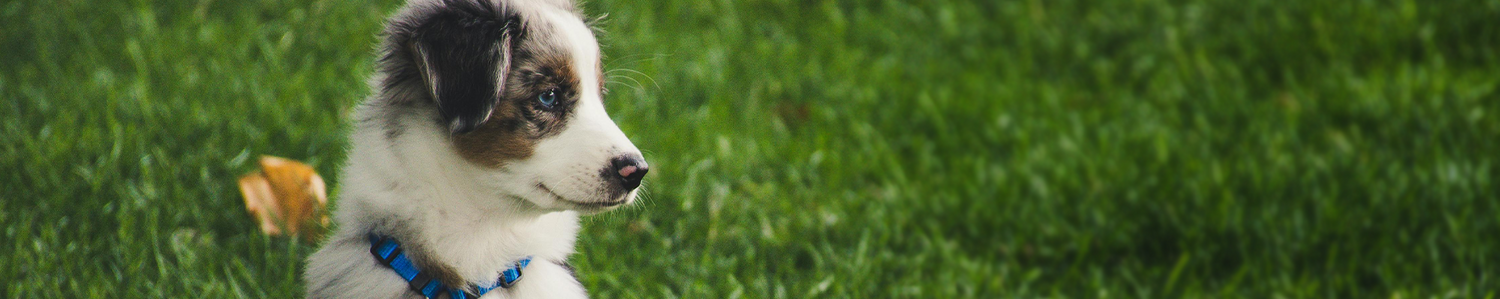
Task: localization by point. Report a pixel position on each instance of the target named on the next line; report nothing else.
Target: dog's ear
(463, 59)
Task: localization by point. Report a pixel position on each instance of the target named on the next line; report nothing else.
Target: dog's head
(519, 88)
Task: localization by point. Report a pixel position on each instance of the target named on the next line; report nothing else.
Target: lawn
(845, 149)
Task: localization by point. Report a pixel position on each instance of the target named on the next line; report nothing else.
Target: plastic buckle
(424, 285)
(508, 284)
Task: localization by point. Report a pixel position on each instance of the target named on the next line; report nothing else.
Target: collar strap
(389, 253)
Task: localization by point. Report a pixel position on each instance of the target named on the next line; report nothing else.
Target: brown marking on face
(503, 138)
(550, 69)
(519, 119)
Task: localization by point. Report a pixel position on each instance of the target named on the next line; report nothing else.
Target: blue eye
(548, 98)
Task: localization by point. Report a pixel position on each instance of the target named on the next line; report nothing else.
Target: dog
(484, 139)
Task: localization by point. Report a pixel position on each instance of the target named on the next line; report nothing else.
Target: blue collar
(389, 253)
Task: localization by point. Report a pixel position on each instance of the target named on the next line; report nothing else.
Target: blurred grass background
(881, 148)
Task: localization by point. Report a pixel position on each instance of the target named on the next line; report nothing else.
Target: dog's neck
(442, 208)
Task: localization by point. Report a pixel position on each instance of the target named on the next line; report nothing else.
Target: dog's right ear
(463, 56)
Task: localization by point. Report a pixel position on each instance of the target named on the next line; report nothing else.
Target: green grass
(882, 148)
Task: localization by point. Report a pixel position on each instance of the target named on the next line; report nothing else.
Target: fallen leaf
(286, 197)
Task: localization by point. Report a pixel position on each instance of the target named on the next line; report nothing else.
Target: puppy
(484, 139)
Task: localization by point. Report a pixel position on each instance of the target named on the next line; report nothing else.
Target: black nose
(630, 169)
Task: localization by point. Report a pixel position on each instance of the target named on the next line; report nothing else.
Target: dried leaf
(286, 196)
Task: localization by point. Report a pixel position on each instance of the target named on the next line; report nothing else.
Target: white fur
(569, 163)
(477, 220)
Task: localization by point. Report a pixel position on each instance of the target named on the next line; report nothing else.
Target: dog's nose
(631, 168)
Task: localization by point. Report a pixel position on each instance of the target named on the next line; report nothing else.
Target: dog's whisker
(648, 77)
(637, 82)
(637, 85)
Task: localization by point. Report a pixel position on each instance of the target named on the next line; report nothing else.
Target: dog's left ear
(463, 59)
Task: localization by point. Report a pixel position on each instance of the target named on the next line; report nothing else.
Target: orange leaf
(286, 195)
